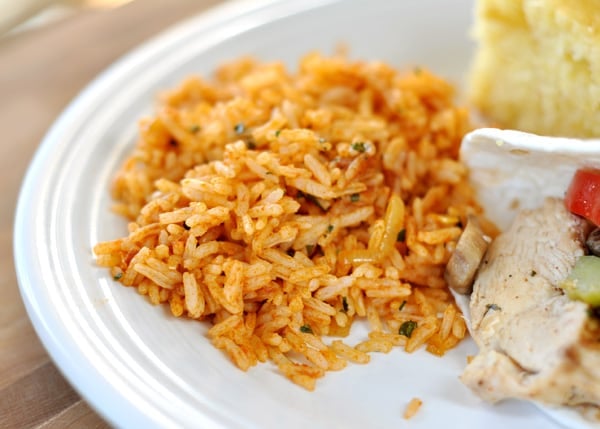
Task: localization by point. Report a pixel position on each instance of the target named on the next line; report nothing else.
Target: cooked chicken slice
(535, 343)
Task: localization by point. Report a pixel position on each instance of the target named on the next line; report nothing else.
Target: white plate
(134, 363)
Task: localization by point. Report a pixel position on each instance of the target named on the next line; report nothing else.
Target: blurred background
(19, 15)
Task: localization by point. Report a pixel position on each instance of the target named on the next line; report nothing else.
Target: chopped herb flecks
(324, 145)
(345, 304)
(401, 237)
(117, 276)
(309, 249)
(239, 128)
(315, 201)
(329, 228)
(359, 147)
(494, 307)
(277, 133)
(402, 305)
(407, 328)
(311, 198)
(594, 312)
(306, 329)
(354, 197)
(194, 128)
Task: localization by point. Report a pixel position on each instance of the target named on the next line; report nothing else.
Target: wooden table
(41, 70)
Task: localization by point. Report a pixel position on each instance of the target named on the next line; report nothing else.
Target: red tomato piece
(583, 196)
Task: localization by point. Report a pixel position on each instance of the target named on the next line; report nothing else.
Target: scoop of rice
(281, 208)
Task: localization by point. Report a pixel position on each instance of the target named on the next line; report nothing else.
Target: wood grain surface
(41, 70)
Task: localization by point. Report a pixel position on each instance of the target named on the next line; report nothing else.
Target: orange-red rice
(412, 408)
(281, 208)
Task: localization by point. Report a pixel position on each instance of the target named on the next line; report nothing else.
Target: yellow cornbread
(537, 66)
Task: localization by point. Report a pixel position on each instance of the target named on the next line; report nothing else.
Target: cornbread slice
(537, 66)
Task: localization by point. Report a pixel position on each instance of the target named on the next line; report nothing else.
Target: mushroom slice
(464, 261)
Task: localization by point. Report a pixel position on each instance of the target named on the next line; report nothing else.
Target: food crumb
(412, 408)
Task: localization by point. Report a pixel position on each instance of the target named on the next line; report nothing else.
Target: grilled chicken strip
(534, 342)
